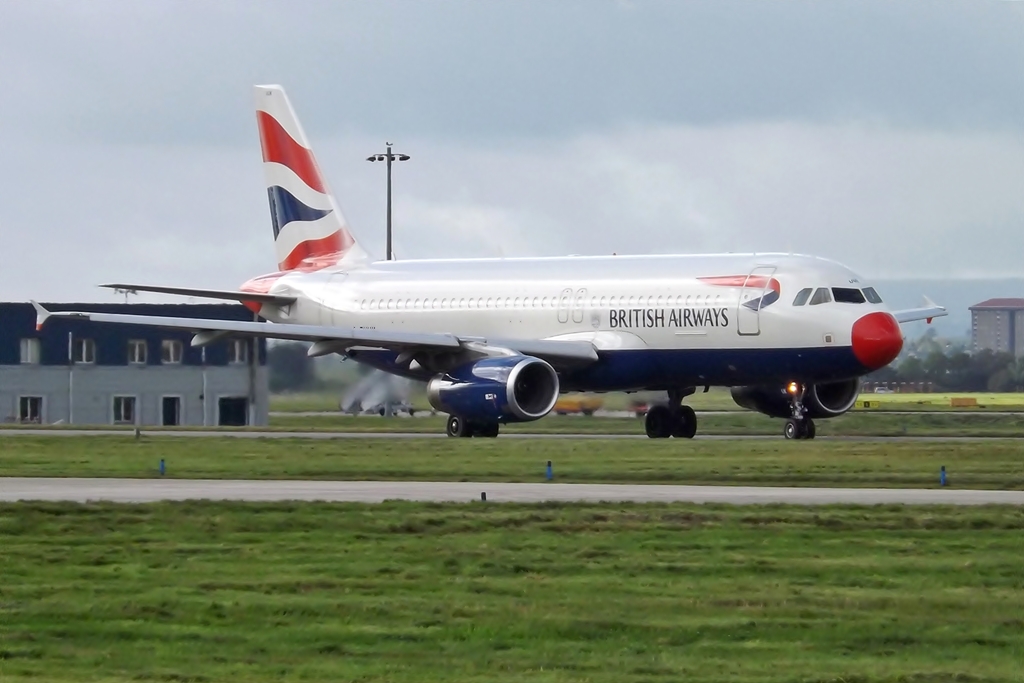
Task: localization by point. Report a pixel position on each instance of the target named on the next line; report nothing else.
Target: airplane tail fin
(309, 231)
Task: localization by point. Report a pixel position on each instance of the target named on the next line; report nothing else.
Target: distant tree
(1015, 374)
(949, 367)
(962, 374)
(936, 367)
(911, 370)
(989, 363)
(925, 344)
(290, 368)
(887, 374)
(1000, 381)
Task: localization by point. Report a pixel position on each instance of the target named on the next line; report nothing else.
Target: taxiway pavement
(153, 490)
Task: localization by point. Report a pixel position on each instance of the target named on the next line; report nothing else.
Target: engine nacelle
(821, 400)
(501, 389)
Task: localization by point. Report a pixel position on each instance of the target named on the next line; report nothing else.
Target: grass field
(996, 464)
(417, 593)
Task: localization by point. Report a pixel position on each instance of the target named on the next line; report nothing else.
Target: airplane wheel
(800, 429)
(685, 423)
(658, 423)
(488, 430)
(457, 427)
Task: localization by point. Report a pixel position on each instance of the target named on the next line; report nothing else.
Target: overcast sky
(886, 135)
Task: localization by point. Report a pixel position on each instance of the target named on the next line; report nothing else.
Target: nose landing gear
(799, 426)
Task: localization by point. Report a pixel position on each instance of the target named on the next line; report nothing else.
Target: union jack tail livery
(309, 231)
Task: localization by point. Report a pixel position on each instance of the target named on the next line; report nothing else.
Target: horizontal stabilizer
(230, 295)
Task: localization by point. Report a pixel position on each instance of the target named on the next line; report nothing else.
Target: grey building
(998, 325)
(74, 371)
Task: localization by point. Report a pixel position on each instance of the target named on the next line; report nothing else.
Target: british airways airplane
(496, 340)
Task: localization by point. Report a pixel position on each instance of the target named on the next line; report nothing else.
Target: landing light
(792, 387)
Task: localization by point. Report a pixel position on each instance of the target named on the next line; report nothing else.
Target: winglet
(41, 314)
(927, 312)
(928, 303)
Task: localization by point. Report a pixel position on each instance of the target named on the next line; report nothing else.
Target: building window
(30, 351)
(84, 351)
(124, 410)
(238, 351)
(170, 351)
(137, 351)
(30, 409)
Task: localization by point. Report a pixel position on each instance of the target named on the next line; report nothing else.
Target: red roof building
(998, 324)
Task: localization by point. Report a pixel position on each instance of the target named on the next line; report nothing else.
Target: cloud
(888, 202)
(179, 72)
(885, 135)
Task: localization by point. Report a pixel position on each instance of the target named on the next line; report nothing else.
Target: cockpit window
(872, 295)
(821, 296)
(802, 296)
(847, 295)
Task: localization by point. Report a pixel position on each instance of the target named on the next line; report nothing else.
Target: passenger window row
(477, 303)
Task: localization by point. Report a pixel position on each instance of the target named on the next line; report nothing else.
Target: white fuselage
(638, 303)
(617, 301)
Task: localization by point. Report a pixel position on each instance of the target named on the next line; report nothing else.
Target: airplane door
(748, 308)
(333, 301)
(564, 301)
(578, 304)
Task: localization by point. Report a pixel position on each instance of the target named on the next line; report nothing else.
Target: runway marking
(153, 490)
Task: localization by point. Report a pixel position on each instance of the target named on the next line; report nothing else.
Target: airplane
(497, 339)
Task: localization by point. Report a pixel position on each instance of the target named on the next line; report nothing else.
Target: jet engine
(499, 389)
(821, 400)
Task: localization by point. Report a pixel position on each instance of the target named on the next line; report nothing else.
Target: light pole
(388, 157)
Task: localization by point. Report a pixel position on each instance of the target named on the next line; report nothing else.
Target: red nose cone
(877, 340)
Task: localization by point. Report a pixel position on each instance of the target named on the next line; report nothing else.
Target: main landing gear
(799, 426)
(673, 419)
(461, 427)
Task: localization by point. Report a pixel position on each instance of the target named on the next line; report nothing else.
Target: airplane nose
(877, 340)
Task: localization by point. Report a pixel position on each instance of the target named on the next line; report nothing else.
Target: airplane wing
(929, 310)
(339, 339)
(228, 294)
